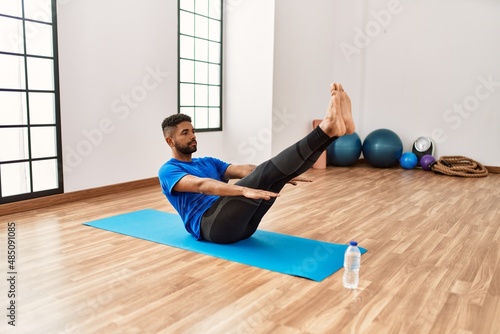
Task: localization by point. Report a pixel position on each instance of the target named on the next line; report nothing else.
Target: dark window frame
(195, 83)
(30, 194)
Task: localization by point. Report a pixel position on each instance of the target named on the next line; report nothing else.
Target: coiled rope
(459, 166)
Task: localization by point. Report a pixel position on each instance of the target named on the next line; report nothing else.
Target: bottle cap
(353, 243)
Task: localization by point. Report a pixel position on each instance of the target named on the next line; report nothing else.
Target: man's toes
(344, 99)
(335, 86)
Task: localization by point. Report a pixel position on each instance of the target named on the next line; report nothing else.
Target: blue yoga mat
(285, 254)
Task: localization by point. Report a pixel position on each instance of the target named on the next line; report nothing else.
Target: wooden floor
(433, 264)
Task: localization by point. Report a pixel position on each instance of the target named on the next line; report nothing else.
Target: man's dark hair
(171, 122)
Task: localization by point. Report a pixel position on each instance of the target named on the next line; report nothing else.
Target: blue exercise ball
(382, 148)
(344, 151)
(408, 160)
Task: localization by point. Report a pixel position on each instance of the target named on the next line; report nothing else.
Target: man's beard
(188, 149)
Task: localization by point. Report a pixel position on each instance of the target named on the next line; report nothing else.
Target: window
(200, 62)
(30, 134)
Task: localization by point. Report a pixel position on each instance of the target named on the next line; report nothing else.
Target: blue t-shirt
(190, 206)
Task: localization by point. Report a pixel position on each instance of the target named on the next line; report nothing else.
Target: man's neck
(181, 157)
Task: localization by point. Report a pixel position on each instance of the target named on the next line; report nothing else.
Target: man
(216, 211)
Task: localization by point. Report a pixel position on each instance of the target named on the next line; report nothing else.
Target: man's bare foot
(345, 105)
(333, 123)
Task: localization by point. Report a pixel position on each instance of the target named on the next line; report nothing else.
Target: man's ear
(169, 141)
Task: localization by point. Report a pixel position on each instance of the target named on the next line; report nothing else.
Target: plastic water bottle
(352, 260)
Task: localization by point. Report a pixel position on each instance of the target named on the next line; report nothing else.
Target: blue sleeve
(221, 167)
(169, 175)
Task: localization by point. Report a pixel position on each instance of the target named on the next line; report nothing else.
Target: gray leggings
(234, 218)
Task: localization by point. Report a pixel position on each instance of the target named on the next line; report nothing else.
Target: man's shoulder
(195, 163)
(205, 160)
(170, 165)
(211, 161)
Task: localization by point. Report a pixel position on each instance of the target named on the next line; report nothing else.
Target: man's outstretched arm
(190, 183)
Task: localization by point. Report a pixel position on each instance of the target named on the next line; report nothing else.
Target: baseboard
(491, 169)
(42, 202)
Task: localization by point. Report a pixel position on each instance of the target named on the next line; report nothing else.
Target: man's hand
(258, 193)
(299, 179)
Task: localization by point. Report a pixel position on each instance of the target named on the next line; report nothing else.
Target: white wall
(118, 63)
(415, 67)
(112, 105)
(118, 79)
(423, 68)
(303, 66)
(248, 80)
